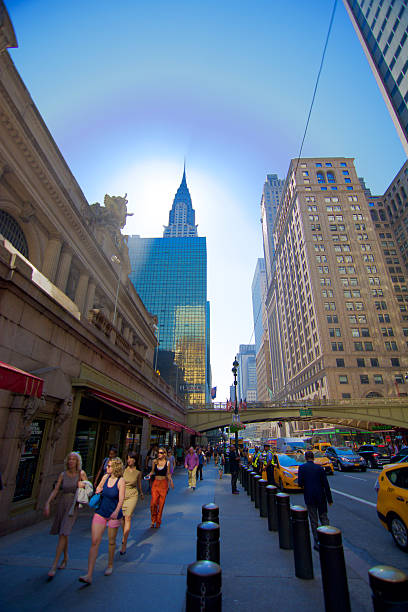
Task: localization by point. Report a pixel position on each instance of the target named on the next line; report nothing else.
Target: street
(153, 572)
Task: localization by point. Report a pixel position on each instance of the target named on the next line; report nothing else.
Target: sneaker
(108, 571)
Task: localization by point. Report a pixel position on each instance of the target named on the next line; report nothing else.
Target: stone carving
(112, 215)
(63, 413)
(30, 406)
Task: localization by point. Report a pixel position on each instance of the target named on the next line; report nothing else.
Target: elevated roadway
(360, 413)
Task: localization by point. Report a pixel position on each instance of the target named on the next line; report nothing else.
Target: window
(329, 305)
(334, 332)
(395, 362)
(364, 379)
(399, 379)
(340, 363)
(343, 379)
(318, 165)
(360, 362)
(328, 164)
(378, 379)
(368, 346)
(332, 318)
(374, 362)
(337, 346)
(346, 395)
(358, 346)
(330, 177)
(320, 177)
(391, 345)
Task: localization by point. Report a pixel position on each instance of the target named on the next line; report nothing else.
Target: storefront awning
(159, 421)
(18, 381)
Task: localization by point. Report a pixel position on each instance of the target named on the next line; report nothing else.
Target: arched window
(330, 177)
(320, 177)
(12, 232)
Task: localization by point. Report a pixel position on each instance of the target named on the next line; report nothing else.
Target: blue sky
(130, 89)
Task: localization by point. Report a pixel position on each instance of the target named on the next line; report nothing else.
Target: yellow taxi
(285, 470)
(321, 446)
(392, 502)
(321, 459)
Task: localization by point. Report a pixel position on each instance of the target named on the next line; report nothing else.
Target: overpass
(358, 413)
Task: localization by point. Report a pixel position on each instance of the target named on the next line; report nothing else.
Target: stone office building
(76, 341)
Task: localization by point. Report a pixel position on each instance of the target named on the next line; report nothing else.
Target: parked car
(373, 455)
(402, 453)
(321, 446)
(392, 502)
(321, 459)
(344, 458)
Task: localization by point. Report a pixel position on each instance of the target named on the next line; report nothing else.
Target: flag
(213, 392)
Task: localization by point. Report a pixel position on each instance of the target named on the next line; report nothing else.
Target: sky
(129, 89)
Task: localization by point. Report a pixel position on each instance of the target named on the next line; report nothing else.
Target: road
(366, 541)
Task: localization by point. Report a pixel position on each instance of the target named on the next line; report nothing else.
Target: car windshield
(344, 450)
(288, 460)
(318, 454)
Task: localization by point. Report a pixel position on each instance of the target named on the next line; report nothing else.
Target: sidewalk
(153, 572)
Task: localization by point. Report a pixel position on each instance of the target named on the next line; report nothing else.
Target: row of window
(390, 345)
(374, 363)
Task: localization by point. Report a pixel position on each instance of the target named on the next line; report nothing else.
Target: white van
(289, 445)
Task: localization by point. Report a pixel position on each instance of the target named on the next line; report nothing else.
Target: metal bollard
(257, 478)
(333, 567)
(263, 510)
(208, 542)
(284, 526)
(271, 492)
(302, 549)
(246, 472)
(210, 512)
(253, 474)
(390, 588)
(203, 587)
(243, 481)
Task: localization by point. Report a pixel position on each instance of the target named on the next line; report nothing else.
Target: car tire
(399, 531)
(281, 485)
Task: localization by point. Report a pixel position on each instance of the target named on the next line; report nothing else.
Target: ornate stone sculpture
(30, 407)
(64, 412)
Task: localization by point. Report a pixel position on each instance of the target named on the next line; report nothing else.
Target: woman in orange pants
(162, 481)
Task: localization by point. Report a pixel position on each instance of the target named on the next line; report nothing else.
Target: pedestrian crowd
(114, 496)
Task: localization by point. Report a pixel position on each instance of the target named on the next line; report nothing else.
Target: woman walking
(162, 480)
(112, 489)
(133, 482)
(68, 481)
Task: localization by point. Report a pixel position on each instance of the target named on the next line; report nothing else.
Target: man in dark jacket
(234, 459)
(316, 490)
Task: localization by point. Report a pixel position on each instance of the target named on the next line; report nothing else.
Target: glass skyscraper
(170, 275)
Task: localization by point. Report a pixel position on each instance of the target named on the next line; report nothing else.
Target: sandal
(51, 573)
(85, 579)
(63, 564)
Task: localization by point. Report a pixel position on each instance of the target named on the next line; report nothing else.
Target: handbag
(95, 501)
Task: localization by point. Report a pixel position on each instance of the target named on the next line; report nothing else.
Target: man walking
(316, 490)
(234, 459)
(191, 464)
(269, 465)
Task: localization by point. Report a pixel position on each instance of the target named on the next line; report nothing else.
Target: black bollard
(390, 588)
(271, 492)
(257, 478)
(203, 587)
(302, 549)
(253, 474)
(208, 542)
(284, 526)
(333, 567)
(244, 474)
(210, 512)
(263, 510)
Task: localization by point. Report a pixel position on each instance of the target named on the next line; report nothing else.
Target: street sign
(305, 412)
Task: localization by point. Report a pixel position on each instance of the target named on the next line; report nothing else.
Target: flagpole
(234, 371)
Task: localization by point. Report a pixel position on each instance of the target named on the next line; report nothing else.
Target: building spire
(182, 214)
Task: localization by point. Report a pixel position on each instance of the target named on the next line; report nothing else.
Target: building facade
(271, 196)
(69, 317)
(382, 28)
(170, 275)
(330, 296)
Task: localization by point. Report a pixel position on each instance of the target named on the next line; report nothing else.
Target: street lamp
(116, 260)
(234, 371)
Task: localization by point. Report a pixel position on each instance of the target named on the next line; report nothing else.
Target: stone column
(64, 268)
(51, 258)
(145, 441)
(81, 290)
(89, 302)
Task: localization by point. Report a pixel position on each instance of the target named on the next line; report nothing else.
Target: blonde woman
(133, 481)
(112, 488)
(68, 481)
(162, 479)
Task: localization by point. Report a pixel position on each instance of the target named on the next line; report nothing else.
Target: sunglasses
(160, 453)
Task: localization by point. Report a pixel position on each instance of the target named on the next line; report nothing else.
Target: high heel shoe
(63, 564)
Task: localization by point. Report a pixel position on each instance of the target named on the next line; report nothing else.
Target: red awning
(18, 381)
(155, 420)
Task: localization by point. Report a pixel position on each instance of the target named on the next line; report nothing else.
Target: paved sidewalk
(153, 572)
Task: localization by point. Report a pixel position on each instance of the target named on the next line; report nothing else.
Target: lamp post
(234, 371)
(115, 259)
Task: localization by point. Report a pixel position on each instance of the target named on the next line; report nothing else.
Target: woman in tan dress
(68, 481)
(133, 480)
